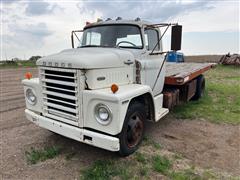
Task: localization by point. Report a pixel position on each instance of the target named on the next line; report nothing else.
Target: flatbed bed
(181, 73)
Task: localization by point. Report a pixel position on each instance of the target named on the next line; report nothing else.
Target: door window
(151, 37)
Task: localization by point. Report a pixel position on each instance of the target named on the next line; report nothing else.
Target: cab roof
(139, 23)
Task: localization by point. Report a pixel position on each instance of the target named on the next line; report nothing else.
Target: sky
(43, 27)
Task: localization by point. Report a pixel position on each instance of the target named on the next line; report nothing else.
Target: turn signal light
(114, 88)
(28, 75)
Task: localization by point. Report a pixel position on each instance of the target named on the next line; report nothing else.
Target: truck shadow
(74, 150)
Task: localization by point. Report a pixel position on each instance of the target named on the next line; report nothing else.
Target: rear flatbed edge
(180, 73)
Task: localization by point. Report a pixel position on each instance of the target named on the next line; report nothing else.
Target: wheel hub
(134, 130)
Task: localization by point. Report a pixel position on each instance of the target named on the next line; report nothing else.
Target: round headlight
(31, 98)
(103, 114)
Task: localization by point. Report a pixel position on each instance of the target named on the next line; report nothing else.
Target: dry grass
(203, 58)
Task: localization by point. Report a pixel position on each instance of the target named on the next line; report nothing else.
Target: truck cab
(103, 91)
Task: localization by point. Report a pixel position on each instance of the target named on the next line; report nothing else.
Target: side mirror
(176, 38)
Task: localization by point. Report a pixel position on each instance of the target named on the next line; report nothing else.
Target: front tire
(133, 129)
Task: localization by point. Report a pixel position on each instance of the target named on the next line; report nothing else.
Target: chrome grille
(60, 94)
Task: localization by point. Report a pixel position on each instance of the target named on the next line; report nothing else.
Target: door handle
(128, 62)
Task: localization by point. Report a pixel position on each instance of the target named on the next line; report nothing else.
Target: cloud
(150, 10)
(43, 26)
(9, 1)
(29, 35)
(35, 8)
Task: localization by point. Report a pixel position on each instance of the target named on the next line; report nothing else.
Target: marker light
(114, 88)
(28, 75)
(87, 23)
(99, 20)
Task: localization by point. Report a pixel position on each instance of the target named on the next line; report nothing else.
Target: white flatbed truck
(102, 92)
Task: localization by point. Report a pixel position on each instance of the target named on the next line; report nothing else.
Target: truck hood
(88, 58)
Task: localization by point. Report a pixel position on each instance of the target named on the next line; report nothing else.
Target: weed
(143, 170)
(140, 157)
(177, 156)
(187, 174)
(207, 174)
(99, 170)
(69, 156)
(105, 170)
(149, 141)
(124, 173)
(34, 156)
(161, 164)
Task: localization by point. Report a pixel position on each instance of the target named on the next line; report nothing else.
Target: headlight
(103, 114)
(31, 97)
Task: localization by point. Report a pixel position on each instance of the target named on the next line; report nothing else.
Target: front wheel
(133, 129)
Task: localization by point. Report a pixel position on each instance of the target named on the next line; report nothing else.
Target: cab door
(151, 64)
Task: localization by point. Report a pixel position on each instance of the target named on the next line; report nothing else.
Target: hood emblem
(101, 78)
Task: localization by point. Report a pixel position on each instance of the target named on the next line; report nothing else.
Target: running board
(161, 113)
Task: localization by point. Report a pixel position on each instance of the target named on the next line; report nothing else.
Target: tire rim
(134, 130)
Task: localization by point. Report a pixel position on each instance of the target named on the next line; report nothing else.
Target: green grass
(161, 164)
(177, 156)
(69, 156)
(143, 170)
(17, 64)
(144, 166)
(190, 174)
(140, 157)
(221, 102)
(37, 155)
(187, 174)
(149, 141)
(106, 170)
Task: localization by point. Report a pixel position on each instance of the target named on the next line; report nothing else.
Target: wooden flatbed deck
(181, 73)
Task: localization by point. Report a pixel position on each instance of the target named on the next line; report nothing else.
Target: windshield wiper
(92, 46)
(88, 46)
(130, 47)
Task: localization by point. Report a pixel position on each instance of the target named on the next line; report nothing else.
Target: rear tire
(200, 89)
(133, 129)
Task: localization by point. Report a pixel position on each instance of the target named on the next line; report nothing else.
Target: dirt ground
(207, 145)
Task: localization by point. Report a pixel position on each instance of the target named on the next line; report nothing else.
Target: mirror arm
(76, 36)
(74, 33)
(72, 39)
(160, 70)
(160, 52)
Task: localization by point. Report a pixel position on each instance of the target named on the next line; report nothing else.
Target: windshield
(125, 36)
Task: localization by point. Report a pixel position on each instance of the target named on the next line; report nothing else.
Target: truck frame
(103, 92)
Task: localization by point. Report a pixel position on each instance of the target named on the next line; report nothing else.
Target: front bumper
(89, 137)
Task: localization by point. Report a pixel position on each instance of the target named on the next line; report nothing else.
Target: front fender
(118, 104)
